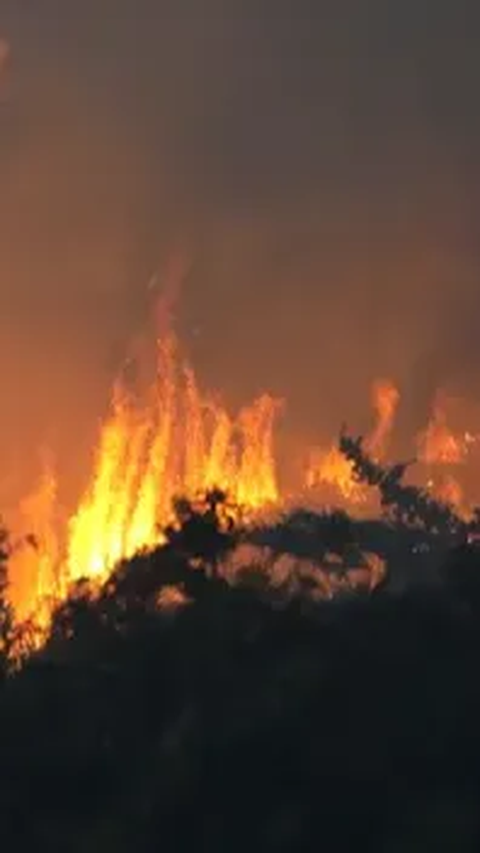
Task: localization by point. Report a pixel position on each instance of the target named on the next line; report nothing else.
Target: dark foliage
(238, 721)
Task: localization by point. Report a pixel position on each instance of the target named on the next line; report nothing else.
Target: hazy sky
(318, 163)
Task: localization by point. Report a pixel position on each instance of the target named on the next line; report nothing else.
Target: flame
(180, 443)
(36, 580)
(440, 448)
(449, 491)
(385, 399)
(257, 482)
(438, 444)
(332, 469)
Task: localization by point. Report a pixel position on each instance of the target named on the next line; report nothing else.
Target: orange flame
(449, 491)
(34, 559)
(438, 444)
(332, 469)
(385, 398)
(180, 443)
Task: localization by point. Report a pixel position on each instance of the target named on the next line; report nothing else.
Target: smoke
(316, 161)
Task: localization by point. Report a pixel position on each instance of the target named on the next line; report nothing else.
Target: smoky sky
(317, 162)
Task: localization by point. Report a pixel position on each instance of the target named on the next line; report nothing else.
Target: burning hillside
(177, 440)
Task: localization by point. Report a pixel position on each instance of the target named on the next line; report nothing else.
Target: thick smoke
(317, 162)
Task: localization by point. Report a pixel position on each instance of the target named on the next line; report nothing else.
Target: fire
(256, 483)
(442, 449)
(175, 440)
(332, 469)
(385, 399)
(449, 491)
(438, 444)
(35, 555)
(179, 443)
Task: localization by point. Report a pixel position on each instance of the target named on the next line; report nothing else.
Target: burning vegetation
(175, 440)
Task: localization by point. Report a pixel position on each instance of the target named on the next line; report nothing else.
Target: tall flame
(35, 556)
(385, 399)
(179, 443)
